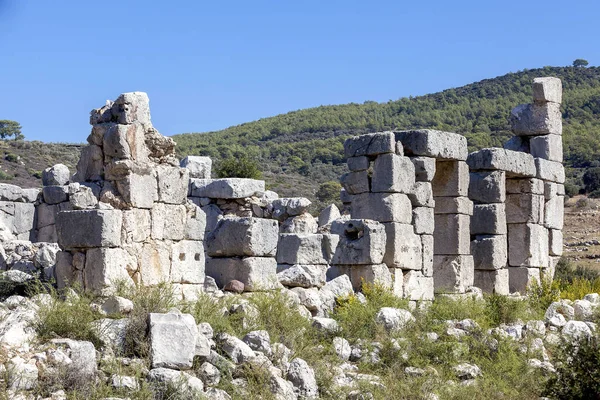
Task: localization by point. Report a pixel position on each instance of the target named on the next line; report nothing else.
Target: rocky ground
(581, 238)
(290, 344)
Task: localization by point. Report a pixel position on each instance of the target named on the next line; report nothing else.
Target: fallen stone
(173, 339)
(394, 319)
(238, 351)
(302, 377)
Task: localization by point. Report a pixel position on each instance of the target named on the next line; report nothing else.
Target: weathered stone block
(556, 242)
(451, 179)
(289, 206)
(125, 142)
(329, 214)
(355, 182)
(47, 234)
(492, 281)
(256, 273)
(227, 188)
(549, 147)
(423, 220)
(105, 267)
(55, 194)
(403, 247)
(533, 185)
(548, 273)
(488, 187)
(370, 145)
(550, 170)
(198, 167)
(452, 274)
(137, 225)
(554, 211)
(424, 168)
(490, 252)
(345, 197)
(432, 143)
(536, 119)
(488, 219)
(139, 190)
(187, 262)
(547, 89)
(131, 107)
(520, 278)
(417, 286)
(427, 251)
(10, 192)
(517, 143)
(168, 221)
(515, 163)
(527, 245)
(393, 173)
(550, 190)
(57, 175)
(452, 234)
(243, 237)
(24, 218)
(421, 195)
(453, 205)
(358, 163)
(378, 274)
(154, 262)
(304, 223)
(196, 222)
(306, 248)
(302, 275)
(397, 282)
(173, 339)
(172, 184)
(524, 208)
(382, 207)
(360, 242)
(89, 228)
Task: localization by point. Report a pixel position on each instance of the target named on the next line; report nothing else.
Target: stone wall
(421, 215)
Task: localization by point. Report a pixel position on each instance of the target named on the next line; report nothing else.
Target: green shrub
(542, 294)
(504, 310)
(5, 176)
(11, 157)
(214, 311)
(238, 167)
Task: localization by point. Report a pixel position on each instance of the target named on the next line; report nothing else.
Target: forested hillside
(301, 149)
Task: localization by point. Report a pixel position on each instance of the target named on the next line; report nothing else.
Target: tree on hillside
(10, 128)
(239, 166)
(580, 62)
(591, 179)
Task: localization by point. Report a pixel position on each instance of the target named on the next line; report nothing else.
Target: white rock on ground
(238, 351)
(302, 377)
(394, 319)
(173, 338)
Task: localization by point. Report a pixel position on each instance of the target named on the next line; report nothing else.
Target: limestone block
(154, 262)
(131, 107)
(536, 119)
(550, 170)
(370, 145)
(554, 211)
(55, 194)
(306, 248)
(548, 273)
(173, 339)
(524, 208)
(533, 185)
(550, 190)
(360, 242)
(374, 274)
(302, 275)
(517, 143)
(421, 195)
(382, 207)
(453, 274)
(64, 270)
(393, 173)
(126, 142)
(556, 242)
(424, 168)
(89, 228)
(358, 163)
(432, 143)
(47, 234)
(488, 186)
(515, 163)
(355, 182)
(105, 267)
(196, 222)
(527, 245)
(226, 188)
(453, 205)
(82, 197)
(289, 206)
(172, 184)
(187, 262)
(519, 278)
(547, 89)
(168, 221)
(213, 215)
(397, 282)
(549, 147)
(452, 234)
(417, 287)
(490, 252)
(256, 273)
(403, 248)
(24, 218)
(57, 175)
(198, 167)
(451, 179)
(492, 281)
(345, 197)
(427, 251)
(329, 214)
(488, 219)
(423, 220)
(139, 191)
(243, 237)
(10, 192)
(560, 189)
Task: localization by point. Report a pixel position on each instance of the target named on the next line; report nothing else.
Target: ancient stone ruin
(422, 215)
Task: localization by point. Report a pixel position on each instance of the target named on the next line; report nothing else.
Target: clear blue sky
(207, 65)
